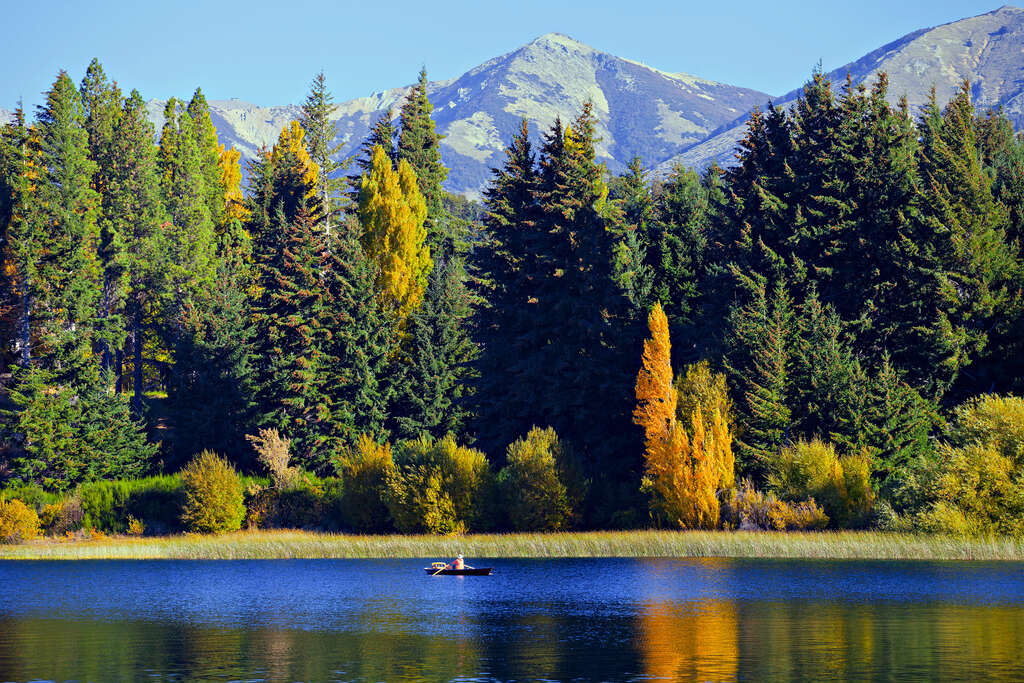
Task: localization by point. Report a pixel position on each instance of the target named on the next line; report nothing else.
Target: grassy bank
(298, 544)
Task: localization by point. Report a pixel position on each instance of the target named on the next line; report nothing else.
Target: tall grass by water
(301, 544)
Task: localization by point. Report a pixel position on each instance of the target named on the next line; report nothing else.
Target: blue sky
(267, 52)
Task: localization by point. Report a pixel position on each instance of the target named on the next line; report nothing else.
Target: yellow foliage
(684, 472)
(289, 157)
(656, 398)
(18, 522)
(813, 469)
(699, 385)
(231, 179)
(392, 212)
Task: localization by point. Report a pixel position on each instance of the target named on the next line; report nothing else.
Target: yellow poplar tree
(229, 161)
(683, 472)
(392, 212)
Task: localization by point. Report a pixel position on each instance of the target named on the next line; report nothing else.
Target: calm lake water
(320, 620)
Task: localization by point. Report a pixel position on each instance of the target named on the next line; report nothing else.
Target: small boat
(438, 569)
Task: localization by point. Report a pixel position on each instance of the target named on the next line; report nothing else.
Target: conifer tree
(135, 212)
(760, 360)
(509, 261)
(21, 232)
(383, 134)
(209, 153)
(364, 341)
(68, 270)
(433, 388)
(319, 136)
(392, 213)
(101, 105)
(292, 338)
(631, 213)
(419, 145)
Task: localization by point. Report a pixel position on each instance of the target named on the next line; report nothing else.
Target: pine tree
(292, 337)
(760, 360)
(392, 212)
(383, 134)
(509, 262)
(364, 340)
(20, 231)
(101, 104)
(68, 274)
(433, 389)
(209, 153)
(631, 214)
(189, 238)
(135, 212)
(316, 122)
(419, 145)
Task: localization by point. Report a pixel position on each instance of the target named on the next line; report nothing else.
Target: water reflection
(716, 620)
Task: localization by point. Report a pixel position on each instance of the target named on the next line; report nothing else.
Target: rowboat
(439, 570)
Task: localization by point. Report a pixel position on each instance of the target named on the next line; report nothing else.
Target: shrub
(214, 501)
(438, 487)
(364, 469)
(813, 470)
(980, 491)
(155, 501)
(530, 486)
(18, 522)
(750, 509)
(272, 450)
(32, 495)
(135, 527)
(996, 421)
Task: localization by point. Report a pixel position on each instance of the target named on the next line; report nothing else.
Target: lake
(588, 619)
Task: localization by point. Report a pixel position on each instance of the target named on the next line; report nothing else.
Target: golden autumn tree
(683, 472)
(392, 212)
(229, 161)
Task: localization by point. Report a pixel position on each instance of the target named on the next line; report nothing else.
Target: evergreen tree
(101, 105)
(319, 129)
(209, 152)
(364, 340)
(383, 134)
(631, 214)
(419, 145)
(433, 388)
(509, 260)
(760, 360)
(68, 271)
(135, 212)
(292, 341)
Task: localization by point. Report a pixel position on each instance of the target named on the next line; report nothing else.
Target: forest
(826, 334)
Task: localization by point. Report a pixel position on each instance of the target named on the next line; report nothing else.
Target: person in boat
(457, 563)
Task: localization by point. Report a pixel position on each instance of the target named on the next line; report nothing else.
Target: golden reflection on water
(690, 642)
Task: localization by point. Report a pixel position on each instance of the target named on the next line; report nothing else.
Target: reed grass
(739, 544)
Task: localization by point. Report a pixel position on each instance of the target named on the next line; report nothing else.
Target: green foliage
(214, 501)
(18, 522)
(841, 485)
(439, 487)
(532, 485)
(155, 501)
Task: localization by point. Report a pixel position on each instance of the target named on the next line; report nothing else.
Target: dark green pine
(292, 341)
(364, 340)
(319, 128)
(433, 391)
(419, 144)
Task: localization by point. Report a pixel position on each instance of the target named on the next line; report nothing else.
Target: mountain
(641, 111)
(987, 50)
(6, 116)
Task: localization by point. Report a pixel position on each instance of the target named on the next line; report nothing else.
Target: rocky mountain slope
(6, 116)
(641, 111)
(987, 50)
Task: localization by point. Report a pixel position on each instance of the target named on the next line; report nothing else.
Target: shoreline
(293, 544)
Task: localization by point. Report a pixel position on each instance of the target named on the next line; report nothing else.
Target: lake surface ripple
(589, 619)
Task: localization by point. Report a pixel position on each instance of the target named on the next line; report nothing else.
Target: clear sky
(266, 52)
